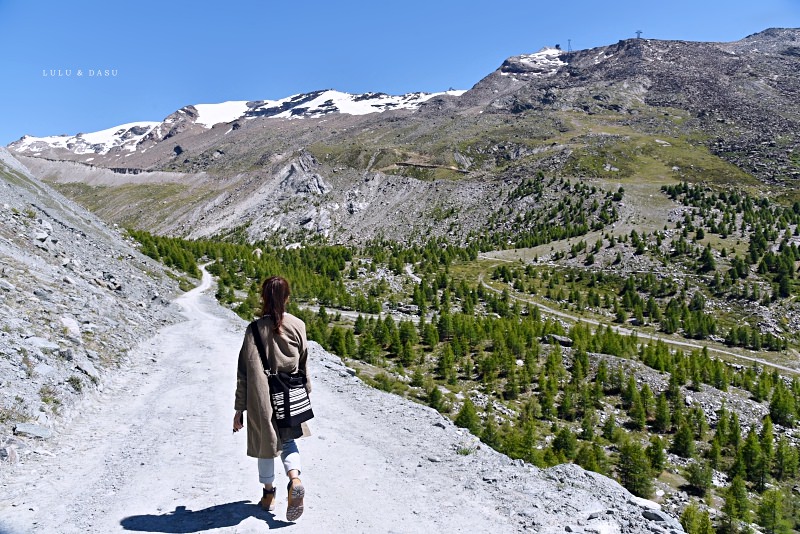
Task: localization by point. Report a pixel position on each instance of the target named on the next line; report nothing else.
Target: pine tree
(683, 441)
(786, 460)
(736, 506)
(782, 407)
(699, 475)
(436, 399)
(586, 458)
(656, 455)
(663, 419)
(734, 431)
(771, 513)
(490, 435)
(565, 443)
(704, 525)
(690, 518)
(714, 453)
(696, 522)
(610, 429)
(634, 469)
(637, 412)
(468, 417)
(751, 454)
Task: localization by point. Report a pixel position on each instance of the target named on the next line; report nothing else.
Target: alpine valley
(590, 256)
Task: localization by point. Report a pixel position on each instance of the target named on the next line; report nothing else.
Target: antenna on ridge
(638, 34)
(569, 49)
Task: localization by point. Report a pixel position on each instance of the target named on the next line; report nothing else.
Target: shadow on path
(183, 521)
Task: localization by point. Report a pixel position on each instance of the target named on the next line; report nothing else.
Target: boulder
(32, 431)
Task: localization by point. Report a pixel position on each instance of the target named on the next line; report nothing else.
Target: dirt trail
(641, 335)
(155, 452)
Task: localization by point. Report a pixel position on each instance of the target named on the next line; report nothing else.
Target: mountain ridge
(729, 111)
(140, 135)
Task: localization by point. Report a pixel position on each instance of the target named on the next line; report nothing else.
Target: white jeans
(291, 460)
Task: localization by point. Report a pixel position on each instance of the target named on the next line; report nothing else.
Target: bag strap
(260, 346)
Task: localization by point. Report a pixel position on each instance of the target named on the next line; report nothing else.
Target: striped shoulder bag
(287, 391)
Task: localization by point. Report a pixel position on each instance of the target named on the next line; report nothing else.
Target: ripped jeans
(291, 460)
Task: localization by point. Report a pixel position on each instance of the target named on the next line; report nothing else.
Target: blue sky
(170, 53)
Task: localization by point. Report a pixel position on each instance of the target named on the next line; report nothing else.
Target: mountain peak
(545, 62)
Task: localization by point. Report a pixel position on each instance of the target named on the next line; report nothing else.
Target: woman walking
(284, 338)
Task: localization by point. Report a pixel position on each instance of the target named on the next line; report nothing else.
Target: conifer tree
(683, 441)
(751, 454)
(435, 398)
(637, 412)
(610, 430)
(736, 507)
(786, 460)
(696, 522)
(714, 453)
(771, 513)
(699, 475)
(468, 417)
(490, 435)
(634, 469)
(663, 419)
(655, 453)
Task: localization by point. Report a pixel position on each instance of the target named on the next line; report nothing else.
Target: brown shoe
(268, 499)
(296, 494)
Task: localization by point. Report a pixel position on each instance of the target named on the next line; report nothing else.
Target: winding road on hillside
(642, 335)
(154, 452)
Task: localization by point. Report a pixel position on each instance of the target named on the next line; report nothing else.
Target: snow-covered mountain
(122, 137)
(127, 138)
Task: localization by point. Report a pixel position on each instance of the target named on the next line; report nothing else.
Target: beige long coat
(290, 350)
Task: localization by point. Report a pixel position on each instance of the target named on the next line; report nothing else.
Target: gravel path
(155, 453)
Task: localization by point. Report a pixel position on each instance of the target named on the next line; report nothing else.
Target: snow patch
(211, 114)
(548, 58)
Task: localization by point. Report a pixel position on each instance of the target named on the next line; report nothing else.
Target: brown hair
(274, 295)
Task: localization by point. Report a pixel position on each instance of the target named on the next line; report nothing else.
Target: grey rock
(564, 341)
(86, 367)
(71, 326)
(660, 516)
(42, 294)
(32, 431)
(5, 285)
(9, 454)
(44, 345)
(44, 369)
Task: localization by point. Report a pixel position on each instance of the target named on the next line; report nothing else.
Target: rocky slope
(742, 95)
(75, 296)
